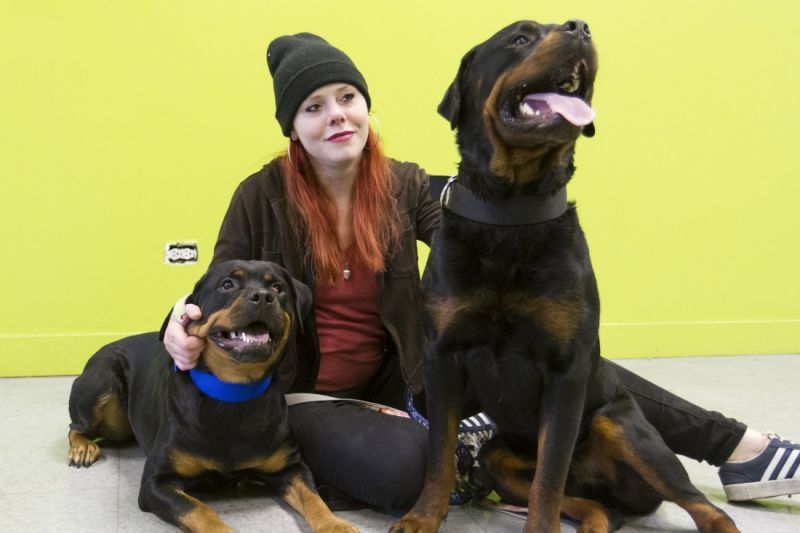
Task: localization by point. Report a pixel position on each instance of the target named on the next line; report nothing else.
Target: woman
(345, 220)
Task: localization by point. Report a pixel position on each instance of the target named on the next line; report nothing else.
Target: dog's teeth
(527, 110)
(246, 338)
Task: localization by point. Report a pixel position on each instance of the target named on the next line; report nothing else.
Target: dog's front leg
(444, 386)
(560, 415)
(299, 492)
(163, 495)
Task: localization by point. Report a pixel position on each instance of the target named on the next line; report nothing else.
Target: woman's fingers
(184, 349)
(193, 312)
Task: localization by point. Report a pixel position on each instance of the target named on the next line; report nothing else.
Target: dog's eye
(519, 40)
(226, 285)
(278, 288)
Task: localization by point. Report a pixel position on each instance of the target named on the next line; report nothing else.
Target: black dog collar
(514, 211)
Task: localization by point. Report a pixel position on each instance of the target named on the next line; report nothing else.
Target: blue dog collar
(224, 391)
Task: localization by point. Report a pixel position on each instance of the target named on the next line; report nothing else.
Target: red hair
(374, 212)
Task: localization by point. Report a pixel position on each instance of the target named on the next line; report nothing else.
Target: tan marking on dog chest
(560, 318)
(189, 465)
(269, 464)
(444, 309)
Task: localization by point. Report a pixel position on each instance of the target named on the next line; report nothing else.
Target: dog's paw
(594, 527)
(414, 523)
(721, 523)
(337, 526)
(82, 451)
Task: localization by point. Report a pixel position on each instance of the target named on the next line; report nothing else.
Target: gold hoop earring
(374, 117)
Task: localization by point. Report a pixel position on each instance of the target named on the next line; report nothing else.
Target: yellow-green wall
(127, 125)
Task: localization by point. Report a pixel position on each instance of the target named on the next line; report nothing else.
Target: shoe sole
(761, 489)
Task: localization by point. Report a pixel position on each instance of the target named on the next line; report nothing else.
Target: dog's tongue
(571, 108)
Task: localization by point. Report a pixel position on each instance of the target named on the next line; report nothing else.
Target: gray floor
(38, 492)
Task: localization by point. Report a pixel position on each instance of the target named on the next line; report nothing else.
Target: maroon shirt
(351, 336)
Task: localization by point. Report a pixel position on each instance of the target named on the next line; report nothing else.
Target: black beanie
(301, 64)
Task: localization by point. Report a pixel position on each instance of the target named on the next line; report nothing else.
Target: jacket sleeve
(428, 210)
(235, 234)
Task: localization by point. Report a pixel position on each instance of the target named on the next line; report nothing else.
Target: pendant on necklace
(347, 272)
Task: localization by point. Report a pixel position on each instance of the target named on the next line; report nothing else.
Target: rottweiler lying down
(512, 306)
(223, 422)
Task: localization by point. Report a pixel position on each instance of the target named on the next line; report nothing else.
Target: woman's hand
(185, 349)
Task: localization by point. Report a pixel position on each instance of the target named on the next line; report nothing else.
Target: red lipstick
(341, 136)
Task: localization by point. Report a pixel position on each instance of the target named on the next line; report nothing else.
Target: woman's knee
(376, 458)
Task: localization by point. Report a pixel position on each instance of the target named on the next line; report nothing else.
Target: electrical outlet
(180, 253)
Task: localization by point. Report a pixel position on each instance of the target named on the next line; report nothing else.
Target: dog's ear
(301, 295)
(194, 298)
(588, 130)
(195, 295)
(191, 299)
(450, 106)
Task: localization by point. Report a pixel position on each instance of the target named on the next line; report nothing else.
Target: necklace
(346, 272)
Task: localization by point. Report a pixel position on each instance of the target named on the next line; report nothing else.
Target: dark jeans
(380, 459)
(688, 429)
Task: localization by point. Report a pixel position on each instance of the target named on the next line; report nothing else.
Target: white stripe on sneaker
(796, 473)
(772, 464)
(789, 462)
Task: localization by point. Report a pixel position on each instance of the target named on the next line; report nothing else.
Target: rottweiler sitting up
(213, 426)
(512, 307)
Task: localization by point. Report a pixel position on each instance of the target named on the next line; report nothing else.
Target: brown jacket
(257, 226)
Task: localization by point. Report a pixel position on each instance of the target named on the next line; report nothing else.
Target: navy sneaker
(774, 472)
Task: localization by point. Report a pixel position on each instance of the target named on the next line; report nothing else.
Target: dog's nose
(257, 297)
(578, 28)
